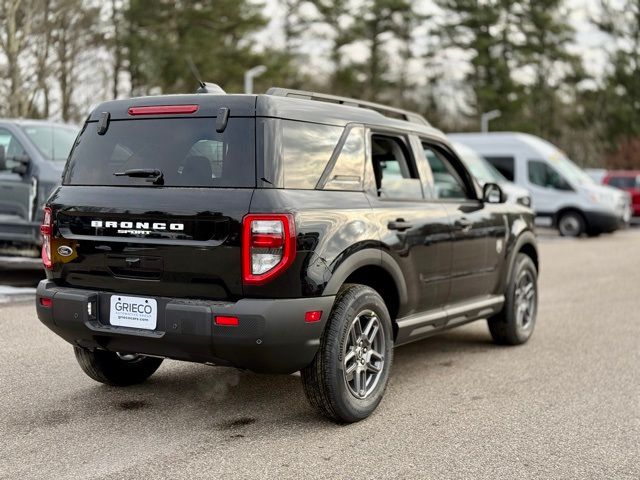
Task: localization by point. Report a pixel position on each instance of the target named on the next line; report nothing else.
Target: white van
(484, 172)
(561, 191)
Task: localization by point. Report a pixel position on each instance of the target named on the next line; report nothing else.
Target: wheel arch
(376, 269)
(525, 243)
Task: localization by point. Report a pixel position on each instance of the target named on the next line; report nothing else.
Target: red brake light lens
(46, 302)
(268, 246)
(163, 110)
(47, 229)
(226, 321)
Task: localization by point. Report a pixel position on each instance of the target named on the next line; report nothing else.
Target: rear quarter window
(306, 150)
(188, 151)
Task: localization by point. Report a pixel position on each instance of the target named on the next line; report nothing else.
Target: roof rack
(385, 110)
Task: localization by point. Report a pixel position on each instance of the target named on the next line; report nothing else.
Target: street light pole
(250, 74)
(486, 117)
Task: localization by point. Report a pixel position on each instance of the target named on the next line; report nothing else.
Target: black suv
(279, 232)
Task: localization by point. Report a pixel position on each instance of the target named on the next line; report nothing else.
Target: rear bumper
(271, 337)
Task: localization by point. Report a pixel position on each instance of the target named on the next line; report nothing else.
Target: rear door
(415, 230)
(178, 236)
(478, 229)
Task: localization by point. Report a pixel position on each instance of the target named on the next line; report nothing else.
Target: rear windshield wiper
(153, 175)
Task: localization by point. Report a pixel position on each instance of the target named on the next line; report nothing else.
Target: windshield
(570, 170)
(188, 152)
(478, 166)
(54, 142)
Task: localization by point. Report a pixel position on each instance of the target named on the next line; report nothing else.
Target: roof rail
(385, 110)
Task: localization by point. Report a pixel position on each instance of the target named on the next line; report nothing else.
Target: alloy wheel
(525, 301)
(363, 354)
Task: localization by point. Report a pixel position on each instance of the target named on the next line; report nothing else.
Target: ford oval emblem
(65, 251)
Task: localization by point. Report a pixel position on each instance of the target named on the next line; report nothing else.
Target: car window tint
(394, 174)
(541, 174)
(505, 165)
(12, 148)
(447, 183)
(188, 151)
(54, 142)
(348, 171)
(306, 150)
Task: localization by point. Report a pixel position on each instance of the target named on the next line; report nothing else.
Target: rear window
(188, 151)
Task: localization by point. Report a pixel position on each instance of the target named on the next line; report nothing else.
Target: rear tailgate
(151, 241)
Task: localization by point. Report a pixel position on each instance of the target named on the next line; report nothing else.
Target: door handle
(463, 224)
(399, 224)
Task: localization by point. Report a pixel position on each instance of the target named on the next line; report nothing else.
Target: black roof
(271, 105)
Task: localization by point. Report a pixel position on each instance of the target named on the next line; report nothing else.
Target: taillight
(46, 229)
(268, 246)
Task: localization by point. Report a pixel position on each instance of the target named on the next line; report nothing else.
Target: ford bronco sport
(283, 232)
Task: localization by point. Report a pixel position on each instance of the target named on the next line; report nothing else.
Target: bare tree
(17, 17)
(75, 34)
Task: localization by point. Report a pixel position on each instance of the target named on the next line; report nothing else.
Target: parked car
(484, 173)
(629, 181)
(32, 155)
(560, 190)
(276, 233)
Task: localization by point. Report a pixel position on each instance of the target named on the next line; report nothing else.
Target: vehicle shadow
(232, 402)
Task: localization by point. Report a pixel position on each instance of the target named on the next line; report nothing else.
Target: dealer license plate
(133, 312)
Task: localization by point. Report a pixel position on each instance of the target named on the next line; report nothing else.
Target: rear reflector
(46, 302)
(163, 109)
(226, 321)
(313, 316)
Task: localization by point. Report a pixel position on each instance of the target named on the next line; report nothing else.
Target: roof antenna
(203, 87)
(195, 72)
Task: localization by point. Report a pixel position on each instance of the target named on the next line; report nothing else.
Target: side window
(394, 173)
(505, 165)
(447, 182)
(306, 150)
(541, 174)
(12, 148)
(348, 171)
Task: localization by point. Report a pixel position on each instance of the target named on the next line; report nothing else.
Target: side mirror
(492, 193)
(3, 162)
(22, 165)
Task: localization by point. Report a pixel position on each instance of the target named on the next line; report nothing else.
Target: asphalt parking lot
(566, 405)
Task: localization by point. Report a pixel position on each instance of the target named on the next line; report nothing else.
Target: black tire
(325, 385)
(110, 369)
(508, 327)
(571, 224)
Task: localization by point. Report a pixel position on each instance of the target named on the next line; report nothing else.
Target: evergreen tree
(618, 101)
(215, 34)
(338, 17)
(483, 30)
(545, 56)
